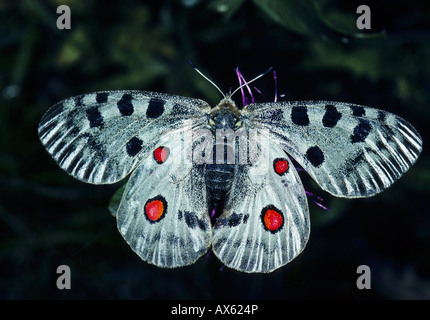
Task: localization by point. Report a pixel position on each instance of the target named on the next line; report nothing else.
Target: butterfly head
(225, 115)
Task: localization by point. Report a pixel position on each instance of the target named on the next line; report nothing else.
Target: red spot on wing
(155, 208)
(161, 154)
(281, 166)
(272, 218)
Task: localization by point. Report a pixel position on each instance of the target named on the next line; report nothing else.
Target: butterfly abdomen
(218, 182)
(220, 173)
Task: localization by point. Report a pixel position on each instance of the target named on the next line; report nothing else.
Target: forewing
(350, 150)
(265, 223)
(163, 213)
(100, 137)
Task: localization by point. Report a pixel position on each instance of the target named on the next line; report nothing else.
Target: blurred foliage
(48, 218)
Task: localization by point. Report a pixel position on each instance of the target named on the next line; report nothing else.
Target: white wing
(265, 223)
(349, 150)
(100, 137)
(163, 213)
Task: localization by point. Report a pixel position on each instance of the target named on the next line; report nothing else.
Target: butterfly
(221, 177)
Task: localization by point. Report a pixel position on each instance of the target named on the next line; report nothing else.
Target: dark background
(48, 219)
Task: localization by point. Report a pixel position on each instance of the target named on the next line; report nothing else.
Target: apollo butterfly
(187, 160)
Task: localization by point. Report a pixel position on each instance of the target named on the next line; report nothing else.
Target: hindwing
(163, 212)
(265, 223)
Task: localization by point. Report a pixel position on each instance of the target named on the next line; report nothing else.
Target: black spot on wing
(192, 220)
(331, 116)
(245, 218)
(315, 156)
(125, 106)
(232, 221)
(361, 131)
(155, 108)
(299, 116)
(94, 117)
(358, 111)
(134, 146)
(102, 97)
(202, 225)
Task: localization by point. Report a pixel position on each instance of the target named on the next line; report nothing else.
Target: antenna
(210, 81)
(257, 77)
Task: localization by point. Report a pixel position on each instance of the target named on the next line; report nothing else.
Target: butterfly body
(185, 159)
(219, 173)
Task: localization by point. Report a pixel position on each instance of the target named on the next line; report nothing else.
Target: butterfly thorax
(220, 173)
(225, 106)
